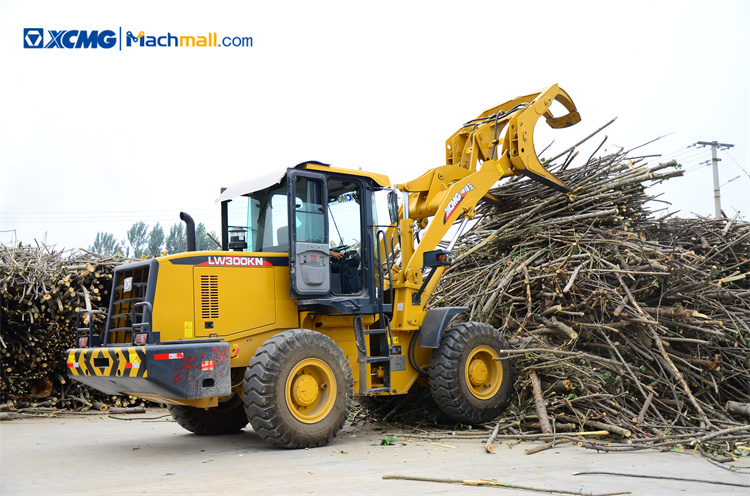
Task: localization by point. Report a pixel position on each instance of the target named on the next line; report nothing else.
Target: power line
(76, 221)
(733, 179)
(697, 167)
(680, 153)
(738, 164)
(55, 217)
(695, 163)
(677, 151)
(112, 212)
(688, 160)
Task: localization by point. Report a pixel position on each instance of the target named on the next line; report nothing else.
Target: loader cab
(323, 218)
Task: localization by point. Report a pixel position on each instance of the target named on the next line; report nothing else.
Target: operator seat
(282, 240)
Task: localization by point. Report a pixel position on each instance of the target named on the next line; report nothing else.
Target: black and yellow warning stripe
(108, 362)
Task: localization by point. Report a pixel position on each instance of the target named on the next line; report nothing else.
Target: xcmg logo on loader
(456, 201)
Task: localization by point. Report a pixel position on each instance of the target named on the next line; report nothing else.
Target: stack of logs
(623, 320)
(41, 292)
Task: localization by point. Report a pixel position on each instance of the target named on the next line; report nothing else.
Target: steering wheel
(340, 248)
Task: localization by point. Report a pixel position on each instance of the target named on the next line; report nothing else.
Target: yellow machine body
(244, 302)
(313, 296)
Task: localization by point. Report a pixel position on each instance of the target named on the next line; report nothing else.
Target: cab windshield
(262, 218)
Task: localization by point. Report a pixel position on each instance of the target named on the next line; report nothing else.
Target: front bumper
(180, 371)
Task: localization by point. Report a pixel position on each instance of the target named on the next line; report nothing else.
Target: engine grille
(210, 296)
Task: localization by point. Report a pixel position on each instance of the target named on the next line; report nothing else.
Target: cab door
(309, 255)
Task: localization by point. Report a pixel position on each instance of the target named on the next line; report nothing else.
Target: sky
(96, 139)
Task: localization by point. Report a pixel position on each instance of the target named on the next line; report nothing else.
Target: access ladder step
(378, 359)
(378, 390)
(376, 331)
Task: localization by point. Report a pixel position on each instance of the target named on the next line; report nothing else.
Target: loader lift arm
(477, 156)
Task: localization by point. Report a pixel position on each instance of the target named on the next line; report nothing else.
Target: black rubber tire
(450, 382)
(273, 414)
(227, 417)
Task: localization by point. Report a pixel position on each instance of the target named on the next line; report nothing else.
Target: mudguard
(434, 324)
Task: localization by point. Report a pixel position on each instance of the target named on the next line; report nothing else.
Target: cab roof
(267, 180)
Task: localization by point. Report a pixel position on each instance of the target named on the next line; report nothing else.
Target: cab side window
(345, 234)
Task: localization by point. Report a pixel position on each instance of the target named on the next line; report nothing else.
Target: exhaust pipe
(190, 230)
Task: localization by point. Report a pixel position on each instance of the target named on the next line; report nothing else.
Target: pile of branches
(631, 322)
(41, 292)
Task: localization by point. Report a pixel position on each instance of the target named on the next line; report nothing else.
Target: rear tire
(297, 388)
(226, 418)
(466, 381)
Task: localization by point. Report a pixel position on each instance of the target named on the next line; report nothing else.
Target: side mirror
(393, 206)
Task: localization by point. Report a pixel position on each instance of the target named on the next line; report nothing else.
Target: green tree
(106, 244)
(138, 238)
(202, 239)
(150, 243)
(176, 241)
(155, 241)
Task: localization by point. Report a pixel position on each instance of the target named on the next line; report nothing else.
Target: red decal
(184, 373)
(220, 358)
(207, 365)
(167, 356)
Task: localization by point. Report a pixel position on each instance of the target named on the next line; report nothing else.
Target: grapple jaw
(546, 178)
(478, 140)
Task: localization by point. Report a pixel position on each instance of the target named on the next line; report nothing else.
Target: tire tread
(213, 421)
(261, 404)
(446, 370)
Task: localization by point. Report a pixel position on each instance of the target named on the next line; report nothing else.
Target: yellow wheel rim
(483, 373)
(310, 390)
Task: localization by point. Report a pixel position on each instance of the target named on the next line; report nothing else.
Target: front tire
(296, 389)
(466, 381)
(228, 417)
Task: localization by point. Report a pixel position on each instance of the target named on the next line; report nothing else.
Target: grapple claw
(478, 140)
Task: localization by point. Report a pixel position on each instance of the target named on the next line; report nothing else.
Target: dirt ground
(150, 454)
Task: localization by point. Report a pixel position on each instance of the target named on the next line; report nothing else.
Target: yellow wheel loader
(318, 293)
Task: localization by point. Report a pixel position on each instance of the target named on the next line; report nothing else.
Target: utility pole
(715, 147)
